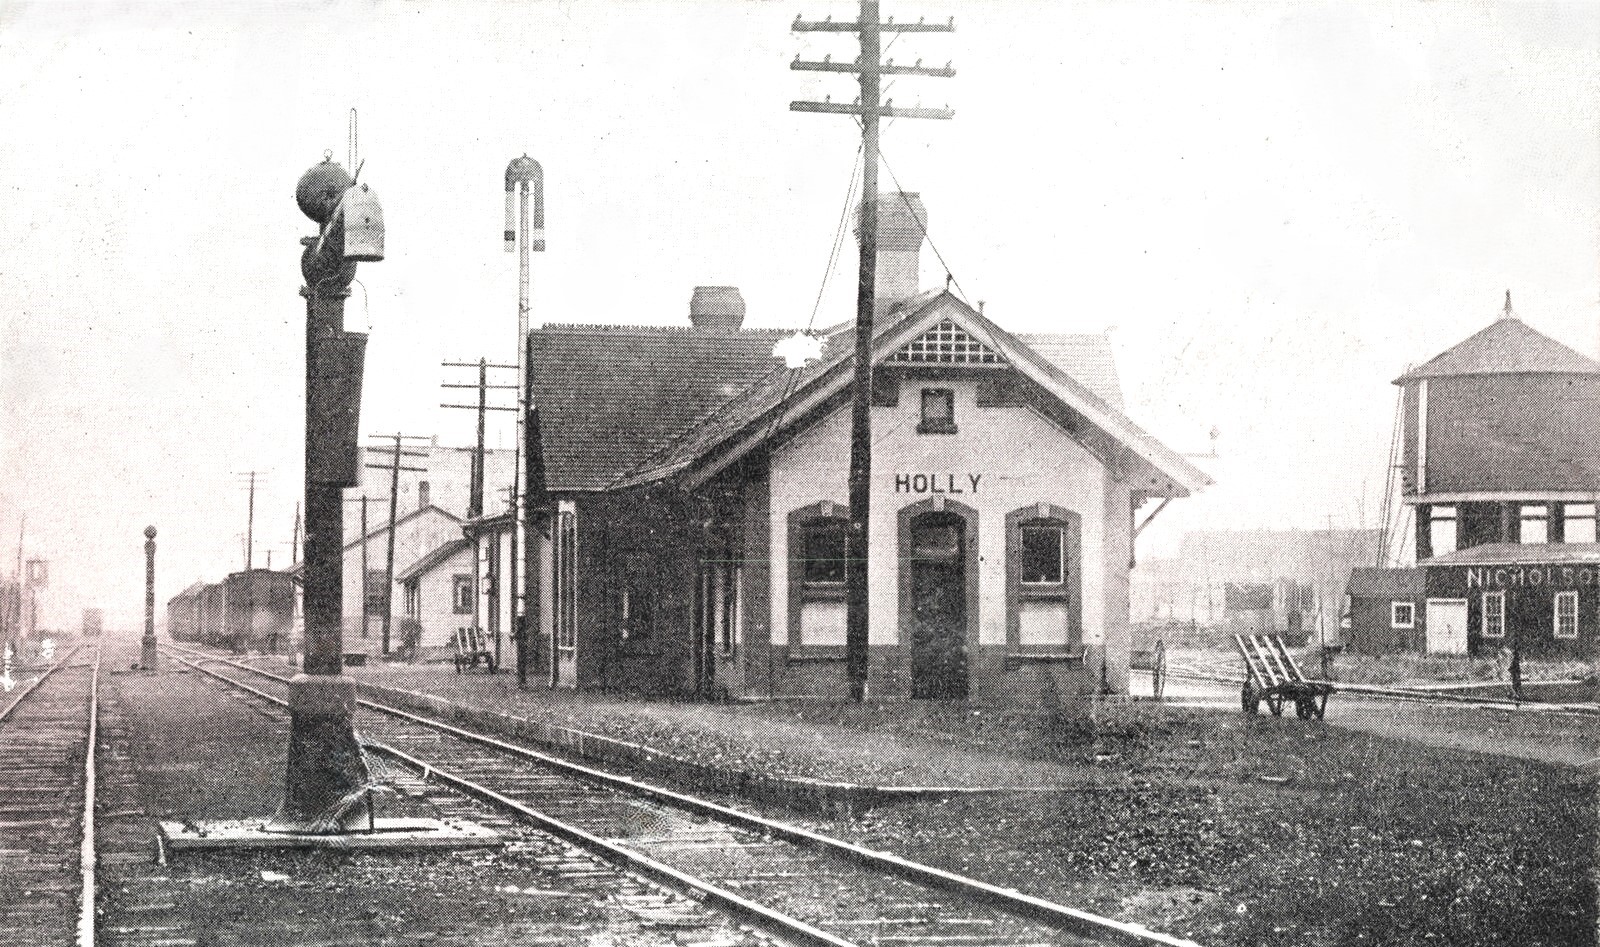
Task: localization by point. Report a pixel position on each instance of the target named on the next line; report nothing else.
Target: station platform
(899, 746)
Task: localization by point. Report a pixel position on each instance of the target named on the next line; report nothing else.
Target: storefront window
(1579, 521)
(1402, 615)
(1494, 614)
(1442, 529)
(1566, 615)
(1535, 523)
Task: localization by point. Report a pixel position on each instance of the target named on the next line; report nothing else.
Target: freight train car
(183, 614)
(213, 602)
(258, 610)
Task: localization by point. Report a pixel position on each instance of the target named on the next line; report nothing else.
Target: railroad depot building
(697, 521)
(1501, 466)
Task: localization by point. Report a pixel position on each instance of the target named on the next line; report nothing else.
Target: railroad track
(47, 736)
(799, 885)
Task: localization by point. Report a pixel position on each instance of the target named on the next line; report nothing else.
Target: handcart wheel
(1275, 704)
(1249, 699)
(1158, 672)
(1305, 708)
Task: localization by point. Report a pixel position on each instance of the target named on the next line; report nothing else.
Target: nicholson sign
(1516, 577)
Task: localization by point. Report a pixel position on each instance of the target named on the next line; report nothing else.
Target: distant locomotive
(94, 621)
(247, 611)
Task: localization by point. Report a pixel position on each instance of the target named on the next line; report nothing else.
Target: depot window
(820, 548)
(1566, 615)
(1044, 553)
(565, 566)
(1044, 584)
(938, 411)
(1402, 615)
(824, 548)
(1494, 614)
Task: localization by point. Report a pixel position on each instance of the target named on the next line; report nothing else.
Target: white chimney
(902, 226)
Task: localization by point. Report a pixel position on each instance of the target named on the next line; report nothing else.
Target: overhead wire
(827, 274)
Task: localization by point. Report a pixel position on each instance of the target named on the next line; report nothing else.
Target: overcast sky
(1273, 207)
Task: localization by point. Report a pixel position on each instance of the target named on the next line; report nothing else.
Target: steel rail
(773, 921)
(743, 907)
(1081, 922)
(86, 859)
(37, 681)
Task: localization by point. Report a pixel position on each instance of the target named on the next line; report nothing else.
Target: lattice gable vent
(946, 344)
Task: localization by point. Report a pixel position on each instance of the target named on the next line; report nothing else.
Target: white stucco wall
(1020, 459)
(436, 591)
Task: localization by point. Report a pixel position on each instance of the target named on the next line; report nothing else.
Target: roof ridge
(624, 327)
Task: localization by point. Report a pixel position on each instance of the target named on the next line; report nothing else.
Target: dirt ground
(1224, 828)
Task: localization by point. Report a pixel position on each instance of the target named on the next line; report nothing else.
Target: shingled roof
(1506, 346)
(784, 394)
(611, 396)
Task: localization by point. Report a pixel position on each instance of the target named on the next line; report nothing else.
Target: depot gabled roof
(789, 396)
(1506, 346)
(610, 396)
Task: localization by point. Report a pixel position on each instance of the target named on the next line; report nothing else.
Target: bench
(472, 646)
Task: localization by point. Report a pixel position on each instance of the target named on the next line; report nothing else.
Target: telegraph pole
(479, 467)
(250, 524)
(870, 111)
(394, 468)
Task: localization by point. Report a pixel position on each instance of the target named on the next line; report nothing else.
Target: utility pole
(394, 467)
(479, 475)
(870, 111)
(524, 180)
(250, 523)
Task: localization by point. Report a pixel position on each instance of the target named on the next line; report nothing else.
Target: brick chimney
(902, 226)
(718, 308)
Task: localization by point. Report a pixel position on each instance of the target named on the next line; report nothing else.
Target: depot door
(938, 606)
(1446, 622)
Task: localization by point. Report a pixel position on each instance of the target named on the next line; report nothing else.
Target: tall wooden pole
(856, 555)
(870, 110)
(388, 568)
(250, 529)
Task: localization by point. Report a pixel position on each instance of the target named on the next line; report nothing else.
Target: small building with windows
(1500, 454)
(696, 530)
